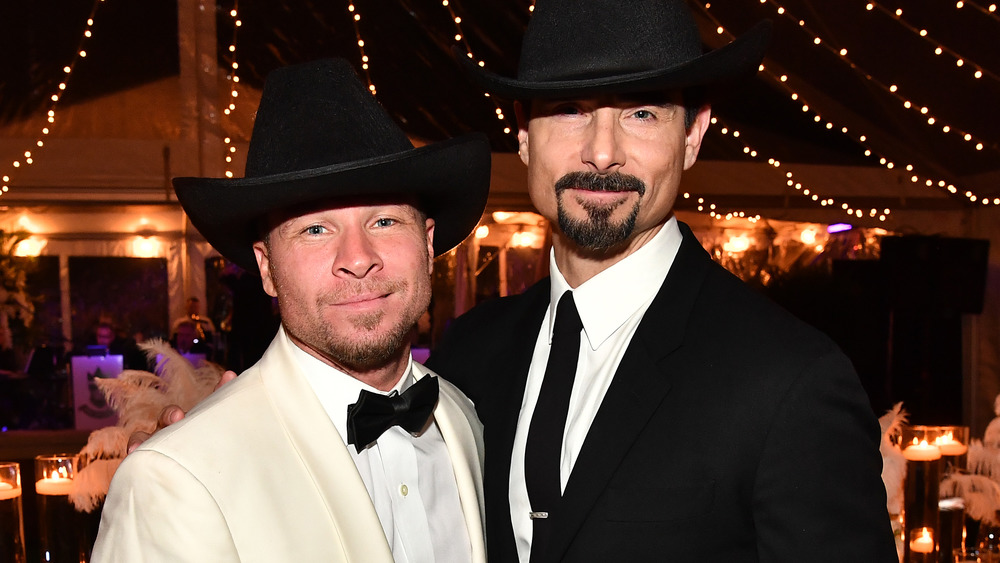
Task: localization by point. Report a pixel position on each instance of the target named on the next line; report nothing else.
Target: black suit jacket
(731, 432)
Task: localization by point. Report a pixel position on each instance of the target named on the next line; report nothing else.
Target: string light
(990, 11)
(811, 194)
(978, 71)
(892, 90)
(861, 139)
(80, 53)
(460, 37)
(234, 80)
(355, 18)
(704, 206)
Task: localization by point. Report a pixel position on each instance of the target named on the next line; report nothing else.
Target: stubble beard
(598, 232)
(360, 346)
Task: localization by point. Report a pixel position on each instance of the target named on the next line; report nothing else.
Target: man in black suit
(701, 422)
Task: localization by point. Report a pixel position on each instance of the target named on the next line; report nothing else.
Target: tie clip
(538, 515)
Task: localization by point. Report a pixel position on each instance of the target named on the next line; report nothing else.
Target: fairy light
(893, 90)
(989, 11)
(54, 99)
(460, 38)
(978, 71)
(234, 80)
(355, 19)
(704, 206)
(861, 139)
(791, 182)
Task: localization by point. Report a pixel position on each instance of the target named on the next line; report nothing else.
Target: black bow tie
(373, 414)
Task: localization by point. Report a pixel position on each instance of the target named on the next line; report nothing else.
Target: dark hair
(694, 98)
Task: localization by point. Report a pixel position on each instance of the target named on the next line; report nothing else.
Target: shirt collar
(337, 390)
(608, 299)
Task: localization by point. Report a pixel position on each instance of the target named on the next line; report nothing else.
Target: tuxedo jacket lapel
(640, 383)
(323, 451)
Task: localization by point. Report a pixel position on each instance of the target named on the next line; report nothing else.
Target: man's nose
(602, 150)
(357, 256)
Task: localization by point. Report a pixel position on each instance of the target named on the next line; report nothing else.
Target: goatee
(598, 232)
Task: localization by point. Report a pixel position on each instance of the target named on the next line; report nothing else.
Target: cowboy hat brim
(227, 211)
(738, 59)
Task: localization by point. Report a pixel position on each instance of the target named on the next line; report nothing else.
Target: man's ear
(264, 265)
(522, 130)
(695, 134)
(429, 225)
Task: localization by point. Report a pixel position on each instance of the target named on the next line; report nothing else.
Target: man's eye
(314, 230)
(644, 114)
(384, 222)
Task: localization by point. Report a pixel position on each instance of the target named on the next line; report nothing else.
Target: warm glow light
(737, 244)
(145, 247)
(808, 236)
(30, 247)
(482, 232)
(523, 239)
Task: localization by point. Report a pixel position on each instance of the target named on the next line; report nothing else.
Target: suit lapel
(323, 452)
(639, 386)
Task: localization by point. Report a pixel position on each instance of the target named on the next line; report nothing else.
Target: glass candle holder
(921, 546)
(59, 528)
(953, 442)
(923, 478)
(11, 515)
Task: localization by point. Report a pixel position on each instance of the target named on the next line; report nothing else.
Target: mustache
(383, 287)
(616, 182)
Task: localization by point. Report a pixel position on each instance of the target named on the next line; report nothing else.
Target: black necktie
(545, 434)
(374, 413)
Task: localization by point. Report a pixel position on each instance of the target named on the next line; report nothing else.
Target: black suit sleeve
(817, 495)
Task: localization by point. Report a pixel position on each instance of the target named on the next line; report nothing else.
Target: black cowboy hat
(320, 135)
(585, 47)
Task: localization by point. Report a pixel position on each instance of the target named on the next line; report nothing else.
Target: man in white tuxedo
(336, 445)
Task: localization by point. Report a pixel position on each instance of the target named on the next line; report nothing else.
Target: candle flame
(945, 439)
(925, 534)
(59, 473)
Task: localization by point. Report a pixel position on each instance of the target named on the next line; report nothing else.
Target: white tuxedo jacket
(258, 472)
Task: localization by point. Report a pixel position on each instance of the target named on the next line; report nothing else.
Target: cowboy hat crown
(320, 135)
(584, 47)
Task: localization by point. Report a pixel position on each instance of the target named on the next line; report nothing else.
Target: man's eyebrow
(650, 99)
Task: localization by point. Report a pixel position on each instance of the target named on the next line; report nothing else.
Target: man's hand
(171, 414)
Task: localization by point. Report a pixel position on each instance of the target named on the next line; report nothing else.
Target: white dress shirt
(610, 304)
(409, 478)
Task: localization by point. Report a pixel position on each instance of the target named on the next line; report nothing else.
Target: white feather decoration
(893, 462)
(984, 460)
(138, 397)
(980, 494)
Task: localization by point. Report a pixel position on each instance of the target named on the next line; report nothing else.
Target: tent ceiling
(409, 41)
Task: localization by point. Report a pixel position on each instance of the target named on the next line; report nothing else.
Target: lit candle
(8, 491)
(949, 445)
(923, 543)
(922, 451)
(55, 484)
